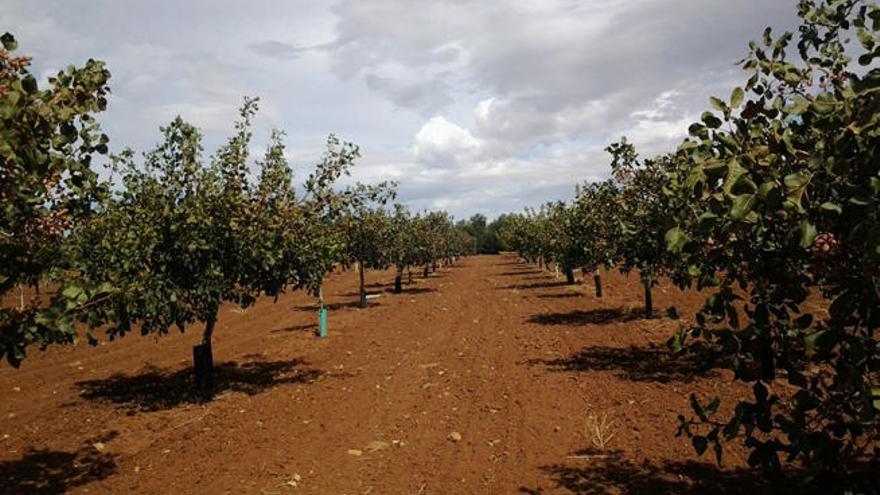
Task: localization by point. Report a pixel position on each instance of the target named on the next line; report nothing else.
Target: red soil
(511, 359)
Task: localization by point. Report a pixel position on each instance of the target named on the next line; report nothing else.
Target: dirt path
(494, 350)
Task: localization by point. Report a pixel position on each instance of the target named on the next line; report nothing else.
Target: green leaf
(676, 342)
(736, 97)
(734, 172)
(798, 106)
(829, 206)
(741, 207)
(676, 239)
(711, 120)
(808, 233)
(718, 104)
(795, 185)
(72, 291)
(824, 103)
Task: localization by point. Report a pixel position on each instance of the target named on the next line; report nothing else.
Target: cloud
(476, 106)
(444, 145)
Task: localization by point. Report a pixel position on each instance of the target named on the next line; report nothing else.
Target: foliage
(785, 187)
(48, 140)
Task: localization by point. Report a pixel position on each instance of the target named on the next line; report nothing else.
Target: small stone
(16, 389)
(355, 452)
(297, 477)
(99, 446)
(137, 469)
(556, 429)
(455, 436)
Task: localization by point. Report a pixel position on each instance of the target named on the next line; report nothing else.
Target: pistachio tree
(173, 242)
(49, 141)
(784, 186)
(402, 244)
(596, 229)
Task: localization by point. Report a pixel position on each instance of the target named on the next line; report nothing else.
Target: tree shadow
(591, 317)
(157, 389)
(296, 328)
(654, 363)
(335, 306)
(543, 285)
(559, 296)
(605, 476)
(43, 471)
(519, 272)
(357, 293)
(412, 290)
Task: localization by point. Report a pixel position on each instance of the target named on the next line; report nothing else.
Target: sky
(473, 107)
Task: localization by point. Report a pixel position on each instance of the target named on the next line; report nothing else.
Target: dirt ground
(479, 379)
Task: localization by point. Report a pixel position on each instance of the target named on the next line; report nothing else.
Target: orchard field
(509, 357)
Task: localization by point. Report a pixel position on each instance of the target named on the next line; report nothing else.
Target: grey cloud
(425, 96)
(529, 92)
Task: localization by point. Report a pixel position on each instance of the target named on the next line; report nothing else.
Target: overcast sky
(472, 106)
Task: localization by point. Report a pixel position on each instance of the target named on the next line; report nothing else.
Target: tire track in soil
(474, 349)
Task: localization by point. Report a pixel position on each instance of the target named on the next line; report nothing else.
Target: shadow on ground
(606, 476)
(592, 317)
(519, 272)
(411, 290)
(654, 363)
(336, 306)
(157, 389)
(297, 328)
(43, 471)
(559, 296)
(538, 285)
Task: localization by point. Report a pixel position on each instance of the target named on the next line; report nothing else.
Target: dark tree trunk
(569, 276)
(434, 266)
(649, 300)
(597, 279)
(409, 273)
(398, 283)
(203, 360)
(425, 274)
(363, 288)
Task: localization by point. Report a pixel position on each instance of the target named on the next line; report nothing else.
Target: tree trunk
(597, 279)
(569, 276)
(203, 360)
(425, 273)
(363, 288)
(409, 273)
(398, 283)
(434, 266)
(649, 300)
(21, 297)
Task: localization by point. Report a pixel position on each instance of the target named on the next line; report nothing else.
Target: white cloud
(444, 145)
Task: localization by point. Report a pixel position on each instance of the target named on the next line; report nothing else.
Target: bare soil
(479, 379)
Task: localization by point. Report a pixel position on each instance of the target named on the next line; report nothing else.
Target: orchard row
(172, 236)
(773, 198)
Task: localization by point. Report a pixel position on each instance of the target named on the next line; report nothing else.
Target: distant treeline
(486, 234)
